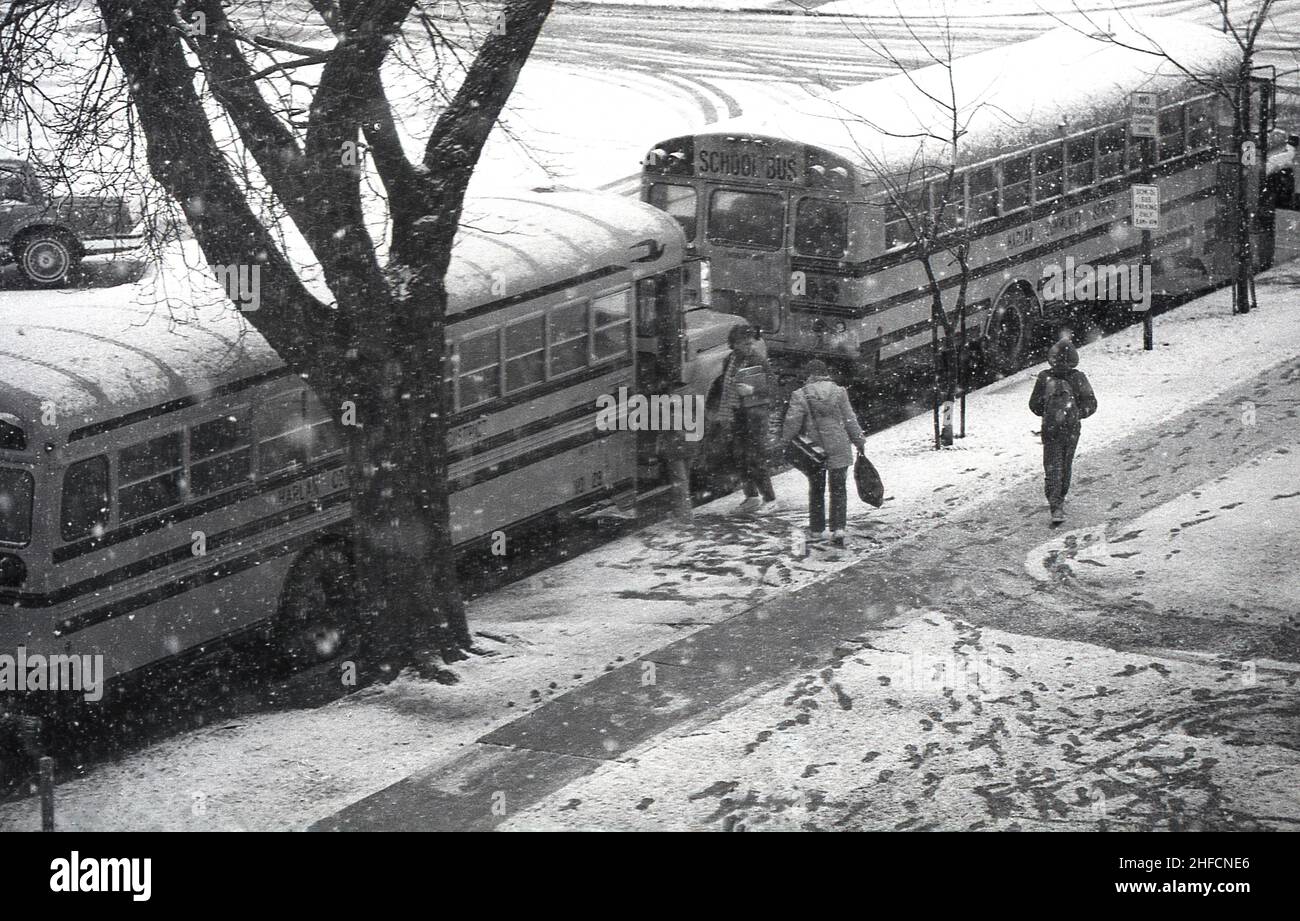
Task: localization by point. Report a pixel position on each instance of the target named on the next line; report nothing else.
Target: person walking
(745, 401)
(1062, 397)
(820, 409)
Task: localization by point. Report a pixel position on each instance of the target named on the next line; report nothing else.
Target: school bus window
(1110, 151)
(679, 202)
(282, 433)
(647, 306)
(479, 374)
(85, 502)
(525, 353)
(12, 436)
(150, 476)
(1080, 154)
(323, 437)
(568, 338)
(1172, 143)
(220, 455)
(747, 218)
(982, 189)
(16, 488)
(1015, 184)
(1200, 124)
(1047, 173)
(821, 227)
(898, 229)
(950, 199)
(612, 325)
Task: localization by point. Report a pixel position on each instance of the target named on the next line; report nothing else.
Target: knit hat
(817, 368)
(1063, 355)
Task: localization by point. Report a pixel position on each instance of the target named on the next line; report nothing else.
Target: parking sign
(1144, 115)
(1146, 207)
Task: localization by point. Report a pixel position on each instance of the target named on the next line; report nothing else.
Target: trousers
(1058, 463)
(750, 446)
(838, 478)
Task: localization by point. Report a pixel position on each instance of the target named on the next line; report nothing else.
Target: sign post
(1144, 127)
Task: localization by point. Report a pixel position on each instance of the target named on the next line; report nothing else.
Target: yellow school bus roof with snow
(513, 248)
(71, 361)
(1013, 96)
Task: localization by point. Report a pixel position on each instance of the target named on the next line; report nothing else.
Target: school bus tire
(316, 620)
(1007, 333)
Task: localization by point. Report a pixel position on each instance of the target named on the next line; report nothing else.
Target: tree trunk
(389, 366)
(403, 553)
(1244, 208)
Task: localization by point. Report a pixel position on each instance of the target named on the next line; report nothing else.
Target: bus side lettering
(311, 487)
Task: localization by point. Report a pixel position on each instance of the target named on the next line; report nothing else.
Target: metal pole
(934, 382)
(1149, 157)
(47, 792)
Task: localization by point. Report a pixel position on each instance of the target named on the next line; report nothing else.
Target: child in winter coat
(744, 401)
(1062, 397)
(821, 410)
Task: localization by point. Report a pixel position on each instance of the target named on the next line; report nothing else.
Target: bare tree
(264, 124)
(926, 195)
(1244, 22)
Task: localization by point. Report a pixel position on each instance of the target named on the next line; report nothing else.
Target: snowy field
(556, 630)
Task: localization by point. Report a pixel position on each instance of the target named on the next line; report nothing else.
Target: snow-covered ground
(560, 628)
(932, 723)
(1224, 549)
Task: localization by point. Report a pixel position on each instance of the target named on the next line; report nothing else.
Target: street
(604, 84)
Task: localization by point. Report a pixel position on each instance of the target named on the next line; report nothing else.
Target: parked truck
(48, 236)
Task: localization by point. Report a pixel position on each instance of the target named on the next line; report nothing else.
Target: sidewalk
(1139, 671)
(605, 725)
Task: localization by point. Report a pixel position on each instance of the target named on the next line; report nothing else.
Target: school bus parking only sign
(1146, 207)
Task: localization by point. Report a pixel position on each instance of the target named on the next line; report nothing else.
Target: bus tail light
(698, 288)
(13, 571)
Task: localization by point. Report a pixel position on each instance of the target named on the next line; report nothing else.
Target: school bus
(802, 213)
(167, 483)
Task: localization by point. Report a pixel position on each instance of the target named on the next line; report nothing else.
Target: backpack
(1060, 408)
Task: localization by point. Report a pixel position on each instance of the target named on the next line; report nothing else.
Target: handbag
(870, 488)
(805, 455)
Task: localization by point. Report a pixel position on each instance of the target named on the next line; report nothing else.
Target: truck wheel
(317, 617)
(46, 258)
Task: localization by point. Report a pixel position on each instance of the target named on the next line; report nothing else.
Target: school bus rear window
(149, 476)
(85, 504)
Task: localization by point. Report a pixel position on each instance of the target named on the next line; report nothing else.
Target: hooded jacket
(1063, 363)
(820, 409)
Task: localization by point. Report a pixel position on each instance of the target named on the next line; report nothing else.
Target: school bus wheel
(317, 616)
(1007, 332)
